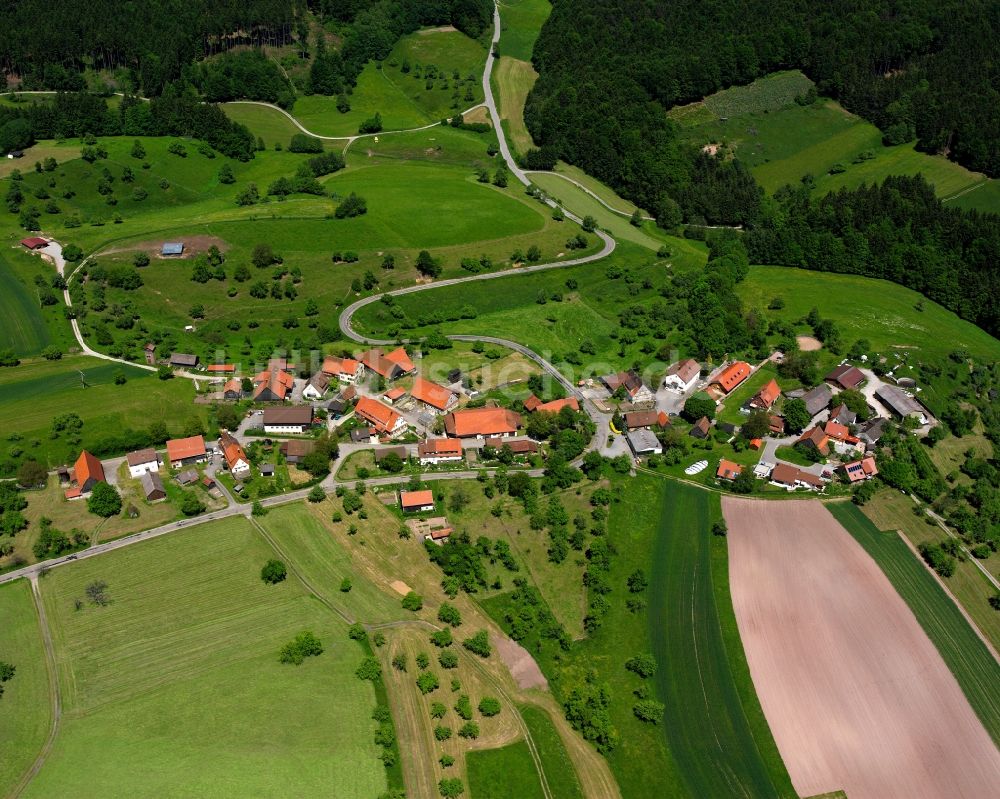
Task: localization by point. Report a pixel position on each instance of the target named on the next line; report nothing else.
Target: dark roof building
(816, 399)
(899, 402)
(183, 359)
(846, 376)
(701, 428)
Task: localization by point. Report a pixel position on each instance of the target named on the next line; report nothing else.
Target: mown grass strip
(559, 771)
(977, 672)
(502, 773)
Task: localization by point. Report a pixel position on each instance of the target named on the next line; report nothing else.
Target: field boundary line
(55, 692)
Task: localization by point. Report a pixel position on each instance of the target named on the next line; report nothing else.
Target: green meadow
(22, 326)
(265, 121)
(25, 708)
(202, 707)
(560, 773)
(512, 80)
(504, 772)
(520, 23)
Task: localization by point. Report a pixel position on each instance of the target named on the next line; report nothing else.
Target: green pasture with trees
(207, 674)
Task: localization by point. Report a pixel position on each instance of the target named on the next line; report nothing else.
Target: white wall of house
(140, 469)
(675, 382)
(430, 460)
(287, 429)
(311, 392)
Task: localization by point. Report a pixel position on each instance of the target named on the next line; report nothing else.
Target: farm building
(85, 474)
(272, 385)
(816, 399)
(346, 370)
(439, 450)
(416, 501)
(293, 420)
(554, 406)
(233, 389)
(152, 487)
(172, 248)
(142, 461)
(34, 243)
(731, 377)
(845, 376)
(296, 449)
(183, 360)
(728, 470)
(317, 386)
(267, 470)
(433, 395)
(382, 453)
(634, 388)
(518, 446)
(643, 420)
(766, 397)
(394, 395)
(221, 368)
(643, 442)
(683, 375)
(482, 423)
(900, 403)
(236, 458)
(381, 417)
(701, 428)
(187, 477)
(388, 365)
(775, 424)
(872, 430)
(186, 451)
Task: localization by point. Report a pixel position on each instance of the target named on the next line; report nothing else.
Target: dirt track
(856, 694)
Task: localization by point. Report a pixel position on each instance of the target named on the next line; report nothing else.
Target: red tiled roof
(339, 366)
(776, 423)
(819, 439)
(435, 395)
(279, 383)
(34, 242)
(636, 419)
(382, 417)
(868, 464)
(73, 493)
(439, 446)
(785, 473)
(87, 468)
(179, 449)
(519, 446)
(232, 450)
(235, 385)
(766, 397)
(482, 422)
(399, 357)
(288, 415)
(554, 406)
(394, 394)
(728, 470)
(730, 377)
(837, 431)
(416, 499)
(220, 367)
(531, 403)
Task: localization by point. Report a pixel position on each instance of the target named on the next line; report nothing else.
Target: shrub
(273, 572)
(304, 645)
(303, 143)
(413, 601)
(489, 706)
(479, 644)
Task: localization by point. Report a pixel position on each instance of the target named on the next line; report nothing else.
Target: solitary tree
(274, 572)
(104, 500)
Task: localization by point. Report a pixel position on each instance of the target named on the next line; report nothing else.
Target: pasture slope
(856, 694)
(175, 689)
(22, 328)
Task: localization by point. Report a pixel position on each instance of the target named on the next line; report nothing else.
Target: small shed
(172, 248)
(34, 242)
(267, 470)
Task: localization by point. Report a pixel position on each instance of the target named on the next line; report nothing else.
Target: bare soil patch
(522, 665)
(193, 245)
(857, 696)
(809, 343)
(439, 29)
(479, 114)
(400, 587)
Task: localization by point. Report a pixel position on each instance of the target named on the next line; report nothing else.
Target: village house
(316, 387)
(701, 428)
(152, 486)
(766, 397)
(142, 461)
(843, 415)
(643, 420)
(85, 474)
(293, 420)
(388, 365)
(383, 419)
(818, 398)
(382, 453)
(900, 403)
(864, 469)
(871, 431)
(186, 451)
(518, 446)
(362, 435)
(845, 376)
(439, 450)
(296, 449)
(433, 396)
(183, 360)
(815, 439)
(344, 370)
(775, 424)
(233, 389)
(643, 442)
(482, 423)
(682, 376)
(731, 377)
(416, 501)
(236, 458)
(272, 385)
(728, 470)
(843, 441)
(635, 389)
(394, 395)
(791, 477)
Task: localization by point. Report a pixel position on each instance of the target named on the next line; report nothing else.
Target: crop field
(520, 23)
(24, 722)
(559, 771)
(35, 393)
(502, 773)
(891, 511)
(181, 714)
(975, 669)
(882, 312)
(512, 80)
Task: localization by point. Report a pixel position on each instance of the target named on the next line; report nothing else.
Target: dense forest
(47, 45)
(608, 70)
(898, 231)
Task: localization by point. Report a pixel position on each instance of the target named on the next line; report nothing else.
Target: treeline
(609, 70)
(898, 231)
(175, 113)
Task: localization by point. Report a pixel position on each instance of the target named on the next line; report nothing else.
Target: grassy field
(559, 771)
(985, 196)
(512, 80)
(972, 664)
(33, 394)
(502, 773)
(882, 312)
(890, 510)
(26, 711)
(22, 327)
(764, 94)
(181, 714)
(520, 22)
(268, 123)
